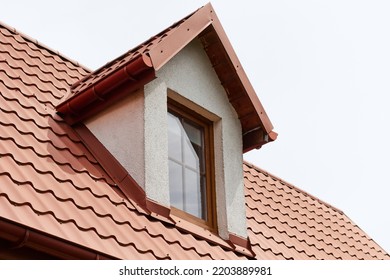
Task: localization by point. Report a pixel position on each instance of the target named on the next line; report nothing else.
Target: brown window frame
(182, 111)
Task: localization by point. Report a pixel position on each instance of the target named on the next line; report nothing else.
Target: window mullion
(183, 169)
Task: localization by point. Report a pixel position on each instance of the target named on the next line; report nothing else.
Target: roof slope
(51, 186)
(50, 183)
(285, 222)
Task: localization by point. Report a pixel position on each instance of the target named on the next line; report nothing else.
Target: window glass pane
(194, 133)
(191, 158)
(176, 185)
(187, 176)
(174, 138)
(193, 204)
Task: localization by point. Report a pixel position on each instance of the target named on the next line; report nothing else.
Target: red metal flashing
(241, 245)
(201, 232)
(159, 211)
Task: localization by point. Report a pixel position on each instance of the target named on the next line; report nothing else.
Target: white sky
(320, 68)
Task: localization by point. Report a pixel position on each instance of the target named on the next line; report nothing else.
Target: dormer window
(216, 117)
(190, 157)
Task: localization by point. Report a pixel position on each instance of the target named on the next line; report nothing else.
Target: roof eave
(19, 236)
(86, 103)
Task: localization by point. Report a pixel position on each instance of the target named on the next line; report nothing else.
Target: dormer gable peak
(138, 67)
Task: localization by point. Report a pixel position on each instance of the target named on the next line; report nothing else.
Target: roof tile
(295, 215)
(50, 182)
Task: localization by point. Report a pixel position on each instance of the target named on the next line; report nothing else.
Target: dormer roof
(138, 66)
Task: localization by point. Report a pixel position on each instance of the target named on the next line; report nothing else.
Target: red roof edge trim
(159, 212)
(218, 28)
(74, 107)
(162, 52)
(201, 232)
(21, 236)
(241, 245)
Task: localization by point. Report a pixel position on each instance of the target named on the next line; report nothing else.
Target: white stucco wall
(191, 75)
(121, 130)
(135, 132)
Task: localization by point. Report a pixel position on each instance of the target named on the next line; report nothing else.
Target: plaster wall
(189, 78)
(120, 128)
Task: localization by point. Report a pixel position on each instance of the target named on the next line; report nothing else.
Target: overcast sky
(320, 68)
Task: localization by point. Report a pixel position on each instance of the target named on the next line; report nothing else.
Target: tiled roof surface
(285, 222)
(51, 183)
(48, 179)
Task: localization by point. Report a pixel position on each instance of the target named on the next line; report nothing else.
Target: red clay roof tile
(294, 219)
(51, 183)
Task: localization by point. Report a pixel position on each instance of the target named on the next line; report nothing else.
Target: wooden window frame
(180, 110)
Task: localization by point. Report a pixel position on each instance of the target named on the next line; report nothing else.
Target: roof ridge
(251, 165)
(43, 46)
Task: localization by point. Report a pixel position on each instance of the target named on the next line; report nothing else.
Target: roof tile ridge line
(26, 83)
(279, 252)
(370, 239)
(35, 65)
(37, 76)
(27, 95)
(41, 45)
(39, 125)
(60, 180)
(304, 222)
(311, 236)
(39, 50)
(259, 192)
(346, 219)
(326, 234)
(110, 216)
(66, 163)
(300, 250)
(27, 107)
(76, 224)
(270, 249)
(312, 219)
(301, 207)
(46, 142)
(130, 51)
(80, 189)
(251, 165)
